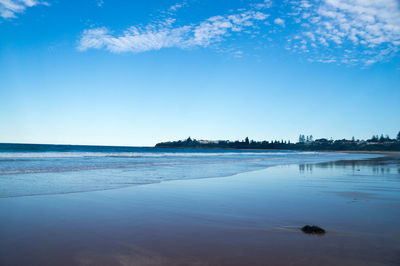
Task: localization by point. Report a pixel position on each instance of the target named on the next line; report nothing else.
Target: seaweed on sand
(313, 229)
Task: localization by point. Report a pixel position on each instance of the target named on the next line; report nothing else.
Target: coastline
(287, 150)
(304, 144)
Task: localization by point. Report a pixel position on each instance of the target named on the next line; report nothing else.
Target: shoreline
(232, 149)
(312, 159)
(373, 152)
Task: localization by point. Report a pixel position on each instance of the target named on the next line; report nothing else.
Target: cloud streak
(165, 35)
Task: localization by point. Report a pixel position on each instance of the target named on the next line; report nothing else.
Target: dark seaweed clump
(313, 229)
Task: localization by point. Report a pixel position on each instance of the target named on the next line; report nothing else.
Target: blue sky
(139, 72)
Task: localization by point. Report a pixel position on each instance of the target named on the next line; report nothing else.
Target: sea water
(33, 169)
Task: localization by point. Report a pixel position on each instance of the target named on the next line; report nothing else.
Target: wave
(9, 155)
(52, 175)
(127, 165)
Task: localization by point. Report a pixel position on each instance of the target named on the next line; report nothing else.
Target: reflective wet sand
(247, 219)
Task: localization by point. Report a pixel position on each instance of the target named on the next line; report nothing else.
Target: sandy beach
(251, 218)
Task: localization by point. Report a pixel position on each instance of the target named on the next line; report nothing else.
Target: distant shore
(375, 144)
(246, 149)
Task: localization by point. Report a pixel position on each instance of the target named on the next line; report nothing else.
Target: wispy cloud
(350, 32)
(347, 31)
(177, 6)
(10, 8)
(263, 4)
(165, 34)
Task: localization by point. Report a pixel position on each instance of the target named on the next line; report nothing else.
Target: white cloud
(279, 22)
(354, 31)
(177, 6)
(100, 3)
(329, 31)
(9, 8)
(164, 35)
(264, 4)
(134, 39)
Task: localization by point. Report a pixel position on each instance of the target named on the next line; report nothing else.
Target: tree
(246, 140)
(302, 139)
(398, 137)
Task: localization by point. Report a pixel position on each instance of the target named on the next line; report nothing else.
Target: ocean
(37, 169)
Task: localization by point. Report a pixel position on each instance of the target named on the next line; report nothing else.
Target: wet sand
(247, 219)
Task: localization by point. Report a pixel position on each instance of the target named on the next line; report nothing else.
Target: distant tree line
(306, 143)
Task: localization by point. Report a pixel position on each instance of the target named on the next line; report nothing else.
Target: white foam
(136, 154)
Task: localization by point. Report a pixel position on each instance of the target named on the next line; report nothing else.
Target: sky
(140, 72)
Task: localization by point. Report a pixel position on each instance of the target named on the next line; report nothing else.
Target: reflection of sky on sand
(361, 179)
(382, 165)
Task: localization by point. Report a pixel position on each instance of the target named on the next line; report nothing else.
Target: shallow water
(52, 169)
(252, 218)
